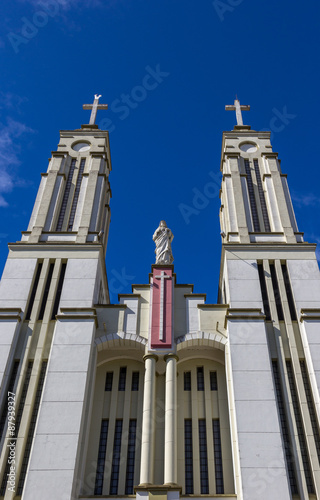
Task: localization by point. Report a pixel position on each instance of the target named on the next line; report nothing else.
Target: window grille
(252, 198)
(200, 378)
(116, 459)
(276, 292)
(46, 292)
(122, 378)
(34, 291)
(66, 196)
(131, 456)
(188, 455)
(101, 457)
(311, 406)
(217, 456)
(264, 292)
(135, 381)
(204, 479)
(109, 380)
(285, 430)
(287, 285)
(213, 381)
(76, 195)
(187, 381)
(300, 429)
(32, 427)
(12, 381)
(59, 291)
(263, 204)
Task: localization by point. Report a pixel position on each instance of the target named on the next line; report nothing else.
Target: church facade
(161, 395)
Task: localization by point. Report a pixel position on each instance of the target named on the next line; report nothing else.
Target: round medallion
(81, 146)
(248, 147)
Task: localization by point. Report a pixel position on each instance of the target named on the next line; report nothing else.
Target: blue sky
(166, 142)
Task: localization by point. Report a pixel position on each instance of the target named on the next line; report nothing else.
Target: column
(170, 438)
(147, 442)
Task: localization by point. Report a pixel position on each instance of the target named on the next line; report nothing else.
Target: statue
(163, 238)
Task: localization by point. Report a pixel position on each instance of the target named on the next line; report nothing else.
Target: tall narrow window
(187, 381)
(131, 457)
(34, 291)
(311, 406)
(217, 456)
(135, 381)
(263, 204)
(285, 430)
(66, 196)
(32, 427)
(116, 458)
(264, 292)
(287, 285)
(76, 195)
(59, 291)
(46, 292)
(213, 381)
(200, 378)
(276, 292)
(101, 457)
(109, 380)
(204, 480)
(188, 456)
(18, 421)
(252, 198)
(300, 429)
(11, 384)
(122, 378)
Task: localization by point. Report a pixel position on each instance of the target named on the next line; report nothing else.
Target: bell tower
(270, 280)
(52, 279)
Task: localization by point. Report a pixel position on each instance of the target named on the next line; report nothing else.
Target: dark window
(285, 429)
(109, 380)
(213, 381)
(217, 456)
(32, 427)
(276, 292)
(66, 196)
(200, 378)
(46, 292)
(135, 381)
(300, 429)
(311, 406)
(287, 285)
(131, 457)
(204, 480)
(11, 384)
(18, 421)
(252, 198)
(122, 378)
(264, 292)
(101, 457)
(116, 458)
(76, 195)
(263, 204)
(187, 381)
(34, 291)
(59, 291)
(188, 455)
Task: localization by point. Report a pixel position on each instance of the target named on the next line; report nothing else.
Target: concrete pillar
(147, 442)
(170, 439)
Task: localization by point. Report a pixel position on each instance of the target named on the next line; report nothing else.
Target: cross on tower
(162, 277)
(237, 107)
(94, 108)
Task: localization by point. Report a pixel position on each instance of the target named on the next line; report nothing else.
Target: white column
(147, 442)
(170, 438)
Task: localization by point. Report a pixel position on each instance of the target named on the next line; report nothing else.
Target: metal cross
(94, 107)
(238, 108)
(162, 277)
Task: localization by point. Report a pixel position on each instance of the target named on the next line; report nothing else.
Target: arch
(204, 339)
(120, 339)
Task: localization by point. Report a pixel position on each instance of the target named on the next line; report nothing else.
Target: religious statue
(163, 238)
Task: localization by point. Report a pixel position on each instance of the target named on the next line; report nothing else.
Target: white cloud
(9, 159)
(305, 200)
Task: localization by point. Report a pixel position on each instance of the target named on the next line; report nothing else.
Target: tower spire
(237, 107)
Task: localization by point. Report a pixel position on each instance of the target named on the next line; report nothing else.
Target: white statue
(163, 238)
